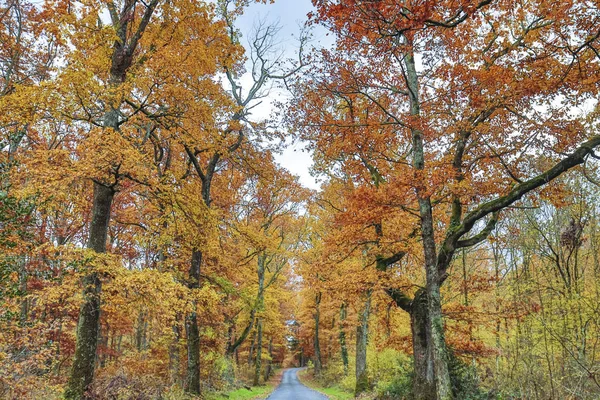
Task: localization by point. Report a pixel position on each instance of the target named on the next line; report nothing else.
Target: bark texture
(88, 326)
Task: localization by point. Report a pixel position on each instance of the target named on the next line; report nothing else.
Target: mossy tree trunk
(251, 350)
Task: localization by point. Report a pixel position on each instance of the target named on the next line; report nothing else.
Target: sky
(290, 15)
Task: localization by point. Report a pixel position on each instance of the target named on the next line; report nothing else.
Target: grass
(257, 392)
(333, 392)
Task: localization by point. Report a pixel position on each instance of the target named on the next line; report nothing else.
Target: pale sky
(290, 15)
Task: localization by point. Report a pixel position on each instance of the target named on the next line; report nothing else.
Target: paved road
(290, 388)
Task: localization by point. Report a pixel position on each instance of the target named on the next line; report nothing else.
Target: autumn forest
(153, 245)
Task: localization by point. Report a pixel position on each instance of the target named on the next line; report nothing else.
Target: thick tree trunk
(362, 340)
(436, 346)
(423, 387)
(192, 381)
(427, 356)
(88, 326)
(318, 363)
(437, 352)
(258, 362)
(342, 338)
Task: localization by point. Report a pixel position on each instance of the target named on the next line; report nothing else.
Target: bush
(348, 383)
(391, 371)
(464, 379)
(333, 373)
(123, 387)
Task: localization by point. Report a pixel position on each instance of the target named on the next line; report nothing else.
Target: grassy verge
(257, 392)
(333, 392)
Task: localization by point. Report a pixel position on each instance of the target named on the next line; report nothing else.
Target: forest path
(290, 388)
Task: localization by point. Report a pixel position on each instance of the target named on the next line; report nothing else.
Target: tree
(133, 147)
(96, 95)
(443, 96)
(228, 136)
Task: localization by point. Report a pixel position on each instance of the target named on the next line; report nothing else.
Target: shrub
(464, 379)
(391, 371)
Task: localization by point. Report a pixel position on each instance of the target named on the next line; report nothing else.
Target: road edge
(308, 386)
(301, 382)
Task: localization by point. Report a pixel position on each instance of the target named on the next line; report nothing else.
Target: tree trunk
(88, 325)
(426, 355)
(437, 351)
(140, 334)
(103, 337)
(318, 364)
(269, 366)
(234, 344)
(192, 382)
(174, 359)
(262, 258)
(437, 359)
(342, 338)
(362, 339)
(423, 381)
(258, 362)
(251, 350)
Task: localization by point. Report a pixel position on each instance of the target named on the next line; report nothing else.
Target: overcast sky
(290, 15)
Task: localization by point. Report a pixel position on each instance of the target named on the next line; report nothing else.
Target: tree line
(151, 243)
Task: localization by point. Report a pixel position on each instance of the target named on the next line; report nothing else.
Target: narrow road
(290, 388)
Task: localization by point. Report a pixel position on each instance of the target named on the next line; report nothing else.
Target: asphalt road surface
(290, 388)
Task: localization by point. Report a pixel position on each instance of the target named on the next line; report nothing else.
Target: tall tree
(227, 139)
(439, 99)
(114, 114)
